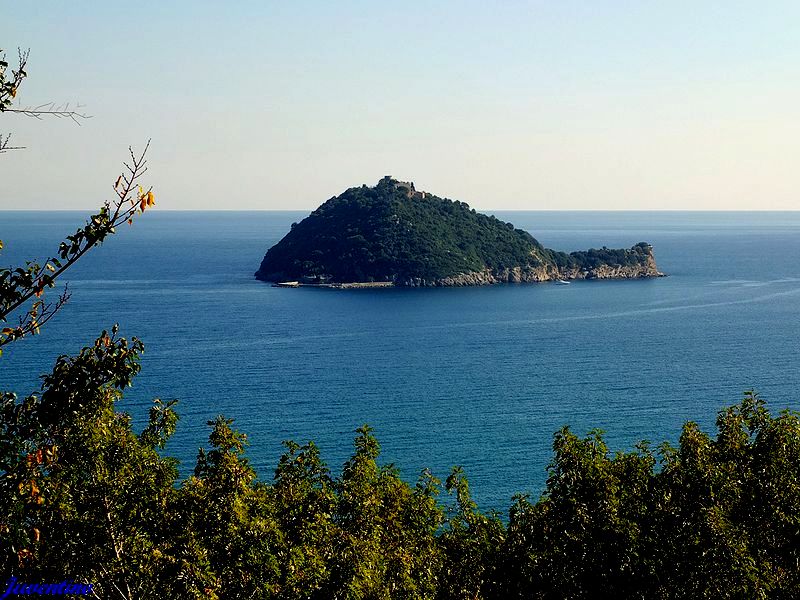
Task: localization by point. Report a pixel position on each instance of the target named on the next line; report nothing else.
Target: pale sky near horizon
(510, 105)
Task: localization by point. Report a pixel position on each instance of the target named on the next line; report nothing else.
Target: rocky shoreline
(645, 270)
(528, 274)
(350, 285)
(489, 277)
(535, 275)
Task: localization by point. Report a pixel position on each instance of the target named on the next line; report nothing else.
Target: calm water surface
(479, 377)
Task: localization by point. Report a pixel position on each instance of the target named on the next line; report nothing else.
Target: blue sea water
(479, 377)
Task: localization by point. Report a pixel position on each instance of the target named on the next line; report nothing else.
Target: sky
(567, 105)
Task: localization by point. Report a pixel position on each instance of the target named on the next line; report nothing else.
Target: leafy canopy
(84, 495)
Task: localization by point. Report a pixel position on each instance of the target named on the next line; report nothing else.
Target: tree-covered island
(395, 234)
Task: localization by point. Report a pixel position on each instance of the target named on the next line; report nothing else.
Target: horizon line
(554, 210)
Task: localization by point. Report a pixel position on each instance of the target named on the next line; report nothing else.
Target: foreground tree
(22, 289)
(470, 546)
(385, 543)
(84, 496)
(719, 519)
(229, 536)
(11, 79)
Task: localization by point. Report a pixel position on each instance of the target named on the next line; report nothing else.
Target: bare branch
(21, 285)
(9, 87)
(60, 111)
(4, 144)
(18, 286)
(30, 322)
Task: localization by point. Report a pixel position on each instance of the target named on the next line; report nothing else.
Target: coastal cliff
(543, 273)
(392, 234)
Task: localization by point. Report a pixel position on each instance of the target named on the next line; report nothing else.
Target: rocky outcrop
(644, 269)
(488, 277)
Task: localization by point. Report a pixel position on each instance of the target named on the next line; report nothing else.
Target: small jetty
(287, 284)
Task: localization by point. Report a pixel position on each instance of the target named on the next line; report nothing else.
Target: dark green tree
(386, 546)
(470, 546)
(83, 495)
(229, 537)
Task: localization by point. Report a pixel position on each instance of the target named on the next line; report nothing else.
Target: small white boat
(561, 282)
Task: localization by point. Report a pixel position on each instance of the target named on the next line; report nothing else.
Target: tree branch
(18, 286)
(52, 109)
(4, 144)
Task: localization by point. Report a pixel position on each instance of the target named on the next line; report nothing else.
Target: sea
(478, 377)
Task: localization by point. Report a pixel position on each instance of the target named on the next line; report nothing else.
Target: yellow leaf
(50, 268)
(151, 199)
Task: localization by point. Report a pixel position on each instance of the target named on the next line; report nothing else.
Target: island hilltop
(392, 234)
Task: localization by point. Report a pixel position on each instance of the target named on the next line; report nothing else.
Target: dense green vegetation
(594, 257)
(380, 234)
(86, 497)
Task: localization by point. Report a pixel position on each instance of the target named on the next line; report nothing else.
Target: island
(393, 235)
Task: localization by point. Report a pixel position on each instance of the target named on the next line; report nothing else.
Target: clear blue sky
(515, 105)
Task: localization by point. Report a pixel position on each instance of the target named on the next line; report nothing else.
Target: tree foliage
(11, 78)
(83, 495)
